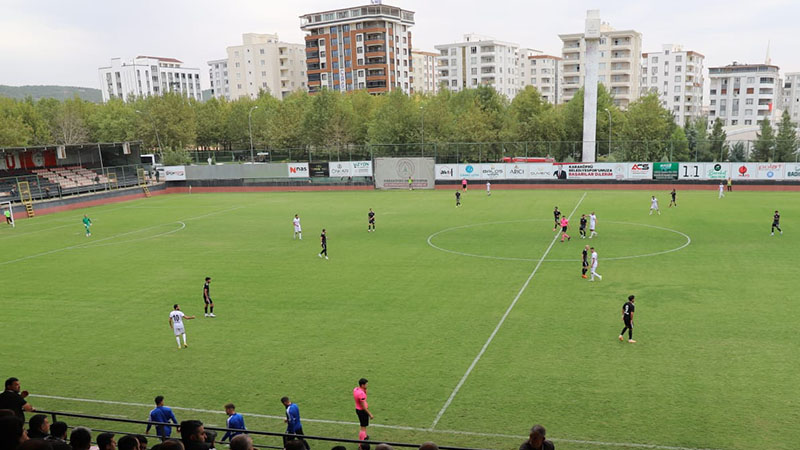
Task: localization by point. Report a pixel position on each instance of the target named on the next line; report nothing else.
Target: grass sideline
(716, 321)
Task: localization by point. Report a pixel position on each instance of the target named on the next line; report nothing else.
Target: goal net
(5, 207)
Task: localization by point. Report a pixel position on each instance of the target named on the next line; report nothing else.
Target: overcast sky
(65, 41)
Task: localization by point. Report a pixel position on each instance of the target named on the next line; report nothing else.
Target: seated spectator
(294, 444)
(429, 446)
(105, 441)
(6, 412)
(128, 442)
(12, 432)
(142, 440)
(383, 447)
(339, 447)
(193, 435)
(80, 438)
(211, 439)
(58, 436)
(35, 444)
(38, 427)
(537, 440)
(169, 444)
(241, 442)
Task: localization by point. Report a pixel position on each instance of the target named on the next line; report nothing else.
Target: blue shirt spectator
(162, 414)
(235, 421)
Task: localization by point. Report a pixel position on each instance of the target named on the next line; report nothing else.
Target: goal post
(6, 206)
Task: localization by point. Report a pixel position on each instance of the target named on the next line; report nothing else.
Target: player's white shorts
(179, 331)
(594, 266)
(297, 229)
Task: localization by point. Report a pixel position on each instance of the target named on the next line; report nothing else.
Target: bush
(176, 157)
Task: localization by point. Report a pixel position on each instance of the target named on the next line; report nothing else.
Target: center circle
(688, 240)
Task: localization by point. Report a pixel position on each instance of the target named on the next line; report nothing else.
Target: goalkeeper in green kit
(87, 223)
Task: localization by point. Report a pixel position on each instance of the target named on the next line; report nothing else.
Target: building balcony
(377, 54)
(375, 61)
(375, 48)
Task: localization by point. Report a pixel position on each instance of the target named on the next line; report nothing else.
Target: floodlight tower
(591, 64)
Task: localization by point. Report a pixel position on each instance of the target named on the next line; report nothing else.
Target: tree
(285, 123)
(678, 145)
(764, 146)
(786, 143)
(648, 126)
(395, 120)
(211, 121)
(573, 124)
(113, 121)
(717, 145)
(14, 132)
(738, 152)
(697, 137)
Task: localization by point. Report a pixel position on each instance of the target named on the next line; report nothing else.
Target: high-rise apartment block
(364, 47)
(619, 67)
(791, 95)
(261, 63)
(218, 76)
(744, 94)
(424, 74)
(146, 76)
(479, 61)
(676, 75)
(542, 72)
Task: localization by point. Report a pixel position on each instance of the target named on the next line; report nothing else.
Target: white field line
(146, 238)
(391, 427)
(86, 244)
(500, 324)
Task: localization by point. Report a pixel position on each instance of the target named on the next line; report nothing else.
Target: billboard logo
(516, 170)
(405, 168)
(717, 167)
(469, 169)
(297, 169)
(444, 170)
(743, 170)
(644, 166)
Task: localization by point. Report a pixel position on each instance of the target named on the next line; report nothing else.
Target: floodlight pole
(250, 127)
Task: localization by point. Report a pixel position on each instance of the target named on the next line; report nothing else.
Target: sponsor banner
(717, 171)
(517, 171)
(318, 169)
(298, 170)
(174, 173)
(769, 171)
(595, 171)
(496, 171)
(11, 160)
(350, 169)
(469, 171)
(394, 173)
(362, 168)
(691, 171)
(665, 171)
(541, 171)
(792, 172)
(446, 171)
(639, 171)
(744, 171)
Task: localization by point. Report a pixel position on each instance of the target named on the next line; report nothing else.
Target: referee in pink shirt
(362, 409)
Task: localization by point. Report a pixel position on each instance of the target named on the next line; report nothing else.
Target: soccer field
(471, 324)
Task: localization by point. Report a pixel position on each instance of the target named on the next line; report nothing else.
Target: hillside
(57, 92)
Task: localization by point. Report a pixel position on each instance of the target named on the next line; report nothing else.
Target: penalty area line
(499, 324)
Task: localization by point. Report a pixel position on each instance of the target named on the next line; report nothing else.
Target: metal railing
(262, 435)
(43, 188)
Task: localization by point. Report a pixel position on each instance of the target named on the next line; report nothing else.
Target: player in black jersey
(673, 202)
(557, 217)
(207, 298)
(585, 263)
(583, 227)
(371, 221)
(323, 239)
(627, 318)
(776, 223)
(458, 199)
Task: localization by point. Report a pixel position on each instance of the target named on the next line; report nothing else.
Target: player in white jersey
(298, 232)
(488, 189)
(594, 265)
(654, 206)
(721, 190)
(592, 225)
(176, 318)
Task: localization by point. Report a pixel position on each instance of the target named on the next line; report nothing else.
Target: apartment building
(676, 75)
(744, 94)
(479, 61)
(791, 95)
(424, 78)
(218, 75)
(264, 63)
(619, 67)
(364, 47)
(148, 75)
(542, 72)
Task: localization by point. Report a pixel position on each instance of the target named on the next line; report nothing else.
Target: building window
(678, 58)
(261, 51)
(677, 78)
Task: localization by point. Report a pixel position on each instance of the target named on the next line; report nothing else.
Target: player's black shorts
(583, 227)
(208, 300)
(628, 322)
(585, 263)
(775, 224)
(371, 220)
(563, 229)
(363, 417)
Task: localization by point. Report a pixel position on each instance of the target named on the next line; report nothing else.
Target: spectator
(429, 446)
(537, 440)
(294, 444)
(142, 440)
(35, 444)
(12, 432)
(161, 414)
(235, 421)
(193, 435)
(58, 436)
(47, 192)
(169, 444)
(7, 412)
(80, 438)
(293, 424)
(14, 400)
(339, 447)
(128, 442)
(211, 439)
(38, 427)
(157, 175)
(242, 442)
(105, 441)
(383, 447)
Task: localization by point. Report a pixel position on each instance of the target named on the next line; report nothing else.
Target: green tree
(211, 121)
(678, 145)
(738, 152)
(786, 144)
(14, 132)
(648, 126)
(395, 121)
(285, 123)
(573, 125)
(717, 142)
(113, 121)
(697, 136)
(764, 147)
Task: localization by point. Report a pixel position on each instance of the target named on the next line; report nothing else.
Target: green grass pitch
(715, 365)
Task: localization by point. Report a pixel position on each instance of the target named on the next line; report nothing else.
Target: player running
(207, 298)
(594, 266)
(488, 189)
(458, 199)
(721, 190)
(298, 230)
(323, 240)
(557, 218)
(582, 229)
(176, 318)
(776, 223)
(585, 262)
(673, 202)
(371, 220)
(564, 226)
(87, 224)
(627, 318)
(592, 225)
(654, 206)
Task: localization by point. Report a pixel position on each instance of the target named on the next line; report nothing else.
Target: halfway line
(499, 324)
